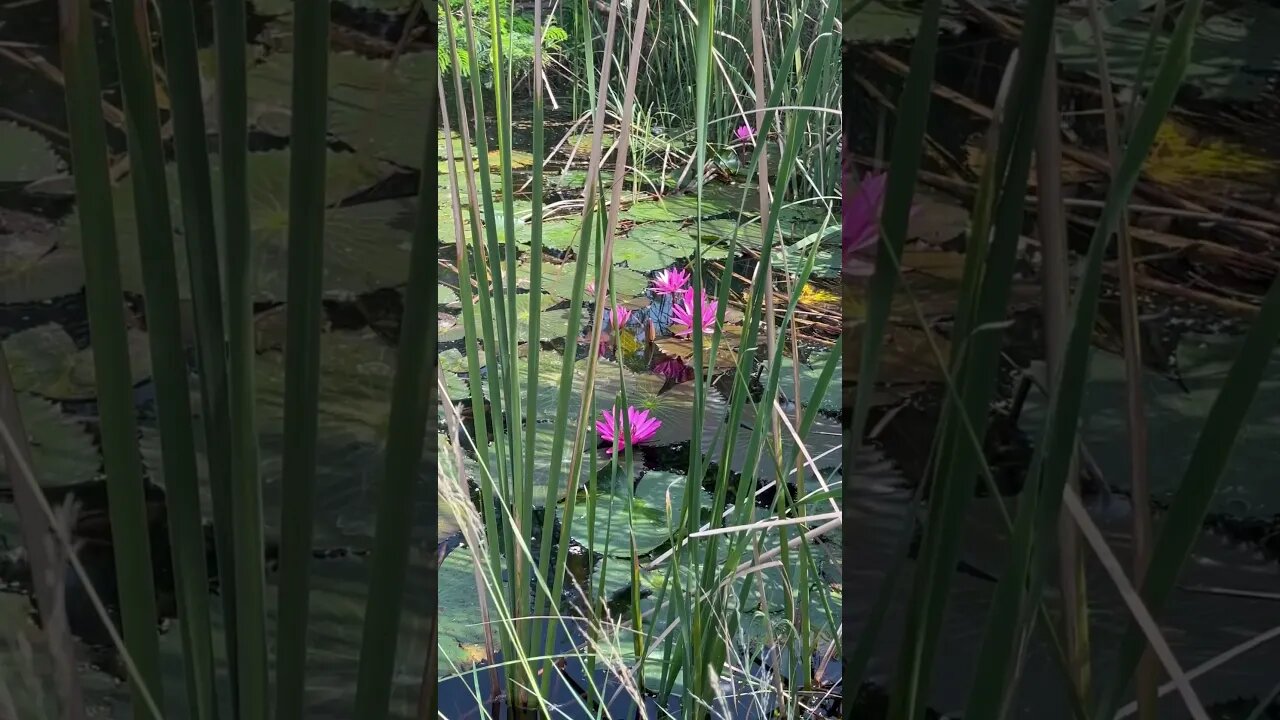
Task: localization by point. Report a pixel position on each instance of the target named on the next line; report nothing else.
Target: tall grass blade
(128, 514)
(307, 152)
(246, 491)
(191, 150)
(1058, 440)
(168, 353)
(413, 395)
(908, 149)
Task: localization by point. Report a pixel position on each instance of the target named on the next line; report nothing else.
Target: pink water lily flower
(861, 222)
(670, 281)
(744, 133)
(675, 369)
(682, 314)
(643, 427)
(860, 229)
(620, 315)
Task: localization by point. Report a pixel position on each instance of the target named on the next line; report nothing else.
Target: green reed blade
(307, 153)
(168, 353)
(412, 398)
(191, 149)
(959, 460)
(252, 690)
(105, 299)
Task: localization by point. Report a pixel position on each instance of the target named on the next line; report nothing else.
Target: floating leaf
(809, 373)
(374, 108)
(25, 155)
(356, 373)
(1177, 417)
(62, 451)
(366, 246)
(459, 614)
(44, 360)
(32, 267)
(644, 515)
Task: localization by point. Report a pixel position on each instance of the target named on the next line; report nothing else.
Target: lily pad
(1247, 489)
(1232, 55)
(366, 246)
(462, 636)
(809, 373)
(644, 515)
(822, 444)
(44, 360)
(32, 266)
(62, 451)
(374, 108)
(893, 20)
(27, 155)
(558, 280)
(356, 373)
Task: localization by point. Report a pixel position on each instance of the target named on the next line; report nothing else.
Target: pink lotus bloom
(643, 427)
(675, 369)
(620, 315)
(682, 313)
(861, 221)
(860, 229)
(744, 133)
(670, 281)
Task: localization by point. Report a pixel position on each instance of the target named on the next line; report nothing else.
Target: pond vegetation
(1063, 334)
(640, 366)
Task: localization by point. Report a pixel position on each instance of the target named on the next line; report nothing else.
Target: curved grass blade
(413, 395)
(252, 692)
(105, 299)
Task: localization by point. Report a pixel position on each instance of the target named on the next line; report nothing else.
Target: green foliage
(515, 36)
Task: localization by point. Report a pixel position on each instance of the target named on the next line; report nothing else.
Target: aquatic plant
(620, 315)
(861, 221)
(643, 427)
(674, 369)
(744, 133)
(670, 281)
(682, 313)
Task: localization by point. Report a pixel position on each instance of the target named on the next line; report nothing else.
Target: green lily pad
(1177, 418)
(884, 21)
(557, 280)
(810, 372)
(335, 626)
(1233, 53)
(44, 360)
(376, 111)
(366, 246)
(357, 369)
(684, 207)
(462, 637)
(644, 515)
(62, 451)
(32, 266)
(27, 156)
(822, 443)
